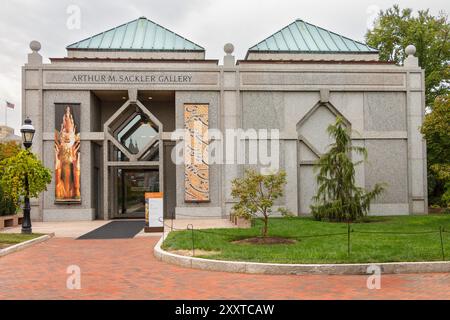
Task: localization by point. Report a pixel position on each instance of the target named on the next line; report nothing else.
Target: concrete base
(198, 212)
(56, 215)
(10, 221)
(389, 209)
(183, 224)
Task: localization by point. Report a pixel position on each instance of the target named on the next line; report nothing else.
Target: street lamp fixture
(27, 131)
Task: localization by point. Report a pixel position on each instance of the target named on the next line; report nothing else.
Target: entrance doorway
(132, 186)
(134, 150)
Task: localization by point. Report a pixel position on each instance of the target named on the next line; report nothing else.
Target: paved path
(75, 229)
(126, 269)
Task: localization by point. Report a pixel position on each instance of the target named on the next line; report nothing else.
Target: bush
(7, 205)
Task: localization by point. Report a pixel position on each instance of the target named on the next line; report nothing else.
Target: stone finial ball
(35, 46)
(228, 48)
(410, 50)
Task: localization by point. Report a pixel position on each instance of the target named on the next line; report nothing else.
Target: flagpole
(8, 105)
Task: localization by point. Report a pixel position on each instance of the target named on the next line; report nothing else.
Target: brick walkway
(126, 269)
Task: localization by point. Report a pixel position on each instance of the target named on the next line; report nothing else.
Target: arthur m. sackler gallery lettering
(131, 78)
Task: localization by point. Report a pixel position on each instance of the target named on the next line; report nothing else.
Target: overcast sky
(209, 23)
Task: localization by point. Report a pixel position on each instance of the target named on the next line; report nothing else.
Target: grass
(9, 239)
(318, 242)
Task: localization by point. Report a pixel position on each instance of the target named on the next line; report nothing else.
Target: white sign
(154, 209)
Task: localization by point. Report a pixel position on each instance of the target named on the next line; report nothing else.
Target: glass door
(132, 186)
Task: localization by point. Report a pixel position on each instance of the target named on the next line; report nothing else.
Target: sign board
(130, 78)
(154, 212)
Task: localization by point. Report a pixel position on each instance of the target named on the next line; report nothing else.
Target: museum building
(105, 116)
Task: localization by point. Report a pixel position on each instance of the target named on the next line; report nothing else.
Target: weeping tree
(338, 198)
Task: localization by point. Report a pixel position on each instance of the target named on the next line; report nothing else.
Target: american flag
(10, 105)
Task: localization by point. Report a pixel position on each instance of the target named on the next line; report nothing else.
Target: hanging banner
(67, 153)
(154, 212)
(196, 168)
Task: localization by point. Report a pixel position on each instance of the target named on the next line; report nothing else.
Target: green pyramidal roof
(137, 35)
(301, 36)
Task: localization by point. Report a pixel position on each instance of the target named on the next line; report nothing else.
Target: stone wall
(383, 104)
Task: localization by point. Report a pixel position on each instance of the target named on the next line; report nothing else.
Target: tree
(7, 205)
(436, 129)
(9, 149)
(257, 193)
(393, 31)
(397, 28)
(338, 198)
(14, 171)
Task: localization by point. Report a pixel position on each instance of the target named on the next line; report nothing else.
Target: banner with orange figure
(67, 153)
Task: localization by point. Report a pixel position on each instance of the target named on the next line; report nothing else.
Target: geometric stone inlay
(314, 128)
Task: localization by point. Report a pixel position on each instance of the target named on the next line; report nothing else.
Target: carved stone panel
(196, 153)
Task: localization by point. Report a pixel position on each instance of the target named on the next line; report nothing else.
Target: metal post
(348, 238)
(26, 223)
(164, 230)
(442, 243)
(27, 131)
(191, 227)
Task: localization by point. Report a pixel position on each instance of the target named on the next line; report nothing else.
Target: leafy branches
(257, 193)
(7, 205)
(436, 129)
(16, 169)
(397, 28)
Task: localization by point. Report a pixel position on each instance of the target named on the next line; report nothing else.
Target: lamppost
(27, 131)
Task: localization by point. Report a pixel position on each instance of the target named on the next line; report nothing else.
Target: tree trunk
(266, 222)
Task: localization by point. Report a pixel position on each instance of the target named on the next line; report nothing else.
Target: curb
(26, 244)
(297, 269)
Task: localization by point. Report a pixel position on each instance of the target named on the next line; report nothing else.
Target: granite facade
(383, 105)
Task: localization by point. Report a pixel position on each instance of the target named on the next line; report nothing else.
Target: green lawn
(313, 248)
(9, 239)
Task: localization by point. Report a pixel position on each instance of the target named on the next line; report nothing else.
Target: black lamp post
(27, 131)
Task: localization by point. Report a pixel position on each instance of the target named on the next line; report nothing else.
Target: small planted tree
(14, 171)
(256, 194)
(338, 198)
